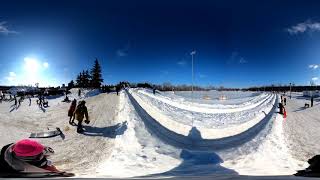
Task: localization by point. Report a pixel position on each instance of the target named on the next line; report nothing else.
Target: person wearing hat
(79, 114)
(26, 156)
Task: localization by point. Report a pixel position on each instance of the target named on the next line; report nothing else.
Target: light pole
(192, 54)
(290, 90)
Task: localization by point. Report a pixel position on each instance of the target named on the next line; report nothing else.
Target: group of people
(78, 112)
(42, 102)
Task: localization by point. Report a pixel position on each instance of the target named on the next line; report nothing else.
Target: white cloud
(236, 58)
(313, 66)
(5, 30)
(12, 76)
(315, 79)
(45, 65)
(121, 53)
(304, 27)
(242, 61)
(181, 63)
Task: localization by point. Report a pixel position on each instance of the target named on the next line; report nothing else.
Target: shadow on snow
(198, 163)
(110, 131)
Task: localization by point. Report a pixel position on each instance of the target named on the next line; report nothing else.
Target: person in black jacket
(281, 108)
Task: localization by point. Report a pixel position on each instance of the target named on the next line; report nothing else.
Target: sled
(49, 134)
(35, 175)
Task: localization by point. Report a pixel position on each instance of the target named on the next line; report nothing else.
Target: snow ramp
(193, 140)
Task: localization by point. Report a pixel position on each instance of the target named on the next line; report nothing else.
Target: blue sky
(238, 43)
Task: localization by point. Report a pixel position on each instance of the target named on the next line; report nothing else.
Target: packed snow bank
(178, 134)
(206, 120)
(144, 150)
(137, 152)
(85, 92)
(207, 133)
(266, 154)
(140, 152)
(213, 98)
(204, 108)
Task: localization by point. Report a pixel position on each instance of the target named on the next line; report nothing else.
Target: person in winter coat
(280, 108)
(71, 110)
(117, 89)
(79, 114)
(26, 156)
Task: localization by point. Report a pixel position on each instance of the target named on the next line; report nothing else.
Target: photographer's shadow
(198, 163)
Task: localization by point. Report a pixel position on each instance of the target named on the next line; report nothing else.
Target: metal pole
(192, 53)
(290, 90)
(192, 71)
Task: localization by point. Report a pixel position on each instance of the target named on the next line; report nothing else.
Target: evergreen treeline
(86, 79)
(284, 88)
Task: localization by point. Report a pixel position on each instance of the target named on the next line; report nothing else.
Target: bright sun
(31, 65)
(34, 71)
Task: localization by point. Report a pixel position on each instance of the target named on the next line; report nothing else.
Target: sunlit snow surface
(140, 152)
(137, 150)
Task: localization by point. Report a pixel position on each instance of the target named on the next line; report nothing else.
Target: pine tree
(71, 84)
(96, 76)
(86, 78)
(79, 80)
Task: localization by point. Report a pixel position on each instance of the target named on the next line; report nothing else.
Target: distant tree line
(166, 86)
(282, 88)
(86, 79)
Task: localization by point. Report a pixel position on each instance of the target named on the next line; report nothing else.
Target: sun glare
(31, 65)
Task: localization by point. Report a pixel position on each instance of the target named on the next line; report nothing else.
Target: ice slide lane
(141, 152)
(205, 109)
(194, 141)
(212, 126)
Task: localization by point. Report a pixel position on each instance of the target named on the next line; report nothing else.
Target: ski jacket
(80, 112)
(71, 109)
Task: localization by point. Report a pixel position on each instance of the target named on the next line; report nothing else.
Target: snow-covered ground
(77, 152)
(141, 134)
(213, 97)
(302, 126)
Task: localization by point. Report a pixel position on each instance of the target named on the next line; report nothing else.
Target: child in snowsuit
(26, 156)
(71, 110)
(79, 114)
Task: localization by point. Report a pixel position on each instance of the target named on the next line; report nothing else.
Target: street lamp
(192, 54)
(290, 90)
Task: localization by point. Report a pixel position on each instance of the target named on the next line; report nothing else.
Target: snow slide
(149, 149)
